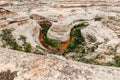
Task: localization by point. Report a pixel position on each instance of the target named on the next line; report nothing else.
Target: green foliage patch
(9, 41)
(98, 18)
(77, 39)
(49, 42)
(117, 61)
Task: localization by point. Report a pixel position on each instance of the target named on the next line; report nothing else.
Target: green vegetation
(89, 61)
(27, 47)
(9, 41)
(45, 30)
(117, 61)
(50, 42)
(77, 49)
(108, 64)
(81, 25)
(94, 47)
(23, 38)
(77, 40)
(75, 43)
(98, 18)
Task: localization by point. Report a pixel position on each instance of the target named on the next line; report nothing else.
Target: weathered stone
(4, 2)
(59, 32)
(100, 32)
(48, 67)
(20, 28)
(5, 13)
(61, 15)
(42, 21)
(118, 50)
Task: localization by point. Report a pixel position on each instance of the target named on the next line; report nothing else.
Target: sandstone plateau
(29, 18)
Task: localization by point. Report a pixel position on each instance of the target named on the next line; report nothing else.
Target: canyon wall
(64, 15)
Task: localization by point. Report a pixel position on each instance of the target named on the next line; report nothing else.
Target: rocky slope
(29, 18)
(49, 67)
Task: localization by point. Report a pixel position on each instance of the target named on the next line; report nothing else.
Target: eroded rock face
(5, 13)
(61, 16)
(59, 32)
(4, 2)
(48, 67)
(42, 21)
(98, 31)
(26, 27)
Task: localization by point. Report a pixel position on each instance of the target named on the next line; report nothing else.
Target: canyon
(64, 35)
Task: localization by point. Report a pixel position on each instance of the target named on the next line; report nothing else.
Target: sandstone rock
(98, 31)
(41, 20)
(4, 2)
(48, 67)
(113, 43)
(59, 32)
(61, 15)
(5, 13)
(118, 50)
(28, 28)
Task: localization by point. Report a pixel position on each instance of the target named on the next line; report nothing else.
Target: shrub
(98, 18)
(9, 41)
(81, 25)
(117, 61)
(44, 30)
(47, 41)
(51, 42)
(89, 61)
(108, 64)
(23, 38)
(27, 47)
(77, 39)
